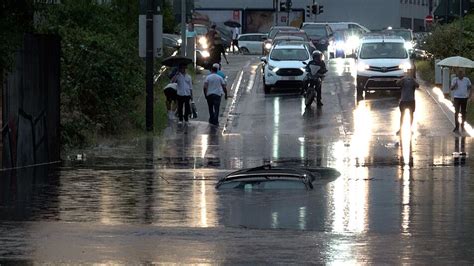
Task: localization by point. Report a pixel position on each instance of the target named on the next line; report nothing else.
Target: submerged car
(270, 177)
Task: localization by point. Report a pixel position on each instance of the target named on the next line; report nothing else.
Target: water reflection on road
(412, 192)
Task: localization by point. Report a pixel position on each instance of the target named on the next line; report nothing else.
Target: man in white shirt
(461, 87)
(214, 88)
(235, 41)
(184, 93)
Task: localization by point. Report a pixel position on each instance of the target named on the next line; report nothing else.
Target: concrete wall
(31, 99)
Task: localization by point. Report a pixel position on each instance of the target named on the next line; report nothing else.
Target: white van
(381, 62)
(342, 26)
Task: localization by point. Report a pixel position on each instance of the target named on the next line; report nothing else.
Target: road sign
(429, 19)
(157, 35)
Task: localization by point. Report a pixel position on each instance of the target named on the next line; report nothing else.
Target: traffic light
(320, 9)
(308, 11)
(282, 5)
(288, 4)
(314, 9)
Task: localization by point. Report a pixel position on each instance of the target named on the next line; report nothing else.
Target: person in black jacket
(318, 62)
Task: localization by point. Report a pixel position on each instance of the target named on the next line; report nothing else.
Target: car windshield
(315, 31)
(273, 32)
(302, 35)
(405, 34)
(383, 50)
(339, 36)
(289, 54)
(200, 30)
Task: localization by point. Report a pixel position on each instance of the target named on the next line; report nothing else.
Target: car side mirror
(263, 59)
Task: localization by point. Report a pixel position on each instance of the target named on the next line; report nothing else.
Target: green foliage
(426, 70)
(169, 23)
(452, 39)
(16, 17)
(102, 75)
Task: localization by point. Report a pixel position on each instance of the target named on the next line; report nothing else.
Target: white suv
(284, 66)
(381, 62)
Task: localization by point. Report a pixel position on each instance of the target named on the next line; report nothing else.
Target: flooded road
(399, 199)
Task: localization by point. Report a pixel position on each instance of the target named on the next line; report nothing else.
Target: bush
(102, 75)
(452, 39)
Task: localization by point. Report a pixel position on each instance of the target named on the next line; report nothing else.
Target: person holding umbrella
(235, 41)
(461, 87)
(184, 93)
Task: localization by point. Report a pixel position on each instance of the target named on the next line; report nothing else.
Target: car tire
(266, 88)
(244, 50)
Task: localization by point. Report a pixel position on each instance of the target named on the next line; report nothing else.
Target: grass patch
(426, 70)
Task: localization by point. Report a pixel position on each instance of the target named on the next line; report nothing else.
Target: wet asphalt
(399, 199)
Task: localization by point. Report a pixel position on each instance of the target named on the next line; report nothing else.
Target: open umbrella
(176, 61)
(456, 61)
(232, 24)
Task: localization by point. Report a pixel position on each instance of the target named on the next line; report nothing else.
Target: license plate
(288, 78)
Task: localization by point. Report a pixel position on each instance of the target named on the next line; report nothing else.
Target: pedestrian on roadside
(214, 88)
(461, 87)
(171, 99)
(220, 73)
(184, 93)
(408, 85)
(235, 42)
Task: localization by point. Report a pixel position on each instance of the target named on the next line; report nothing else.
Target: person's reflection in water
(149, 177)
(213, 148)
(459, 151)
(406, 157)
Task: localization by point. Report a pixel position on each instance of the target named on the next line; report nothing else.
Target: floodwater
(399, 199)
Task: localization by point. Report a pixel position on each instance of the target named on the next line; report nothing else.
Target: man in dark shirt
(408, 85)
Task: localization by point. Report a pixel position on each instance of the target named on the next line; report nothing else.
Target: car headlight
(268, 46)
(362, 67)
(273, 68)
(180, 41)
(405, 66)
(203, 42)
(408, 45)
(353, 41)
(205, 54)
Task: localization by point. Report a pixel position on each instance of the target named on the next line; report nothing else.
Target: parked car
(171, 43)
(284, 66)
(251, 43)
(320, 34)
(381, 62)
(406, 34)
(267, 44)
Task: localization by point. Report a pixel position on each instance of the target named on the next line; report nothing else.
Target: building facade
(374, 14)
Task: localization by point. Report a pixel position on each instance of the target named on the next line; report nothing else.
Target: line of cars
(382, 59)
(288, 49)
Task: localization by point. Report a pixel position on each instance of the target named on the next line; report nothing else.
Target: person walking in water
(184, 93)
(214, 88)
(408, 85)
(235, 39)
(461, 87)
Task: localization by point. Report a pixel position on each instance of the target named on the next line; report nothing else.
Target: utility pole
(183, 28)
(149, 65)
